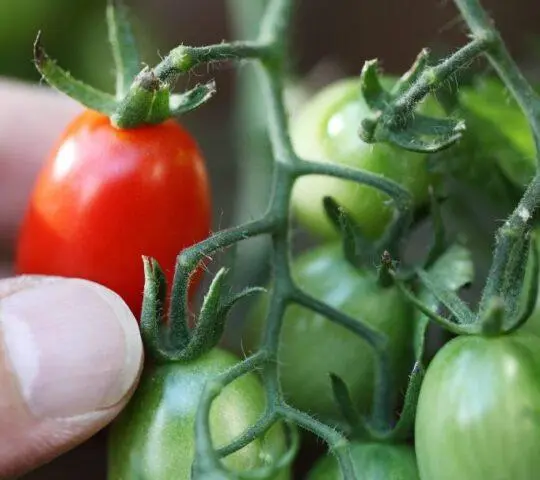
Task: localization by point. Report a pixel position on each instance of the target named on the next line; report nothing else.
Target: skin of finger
(27, 442)
(31, 120)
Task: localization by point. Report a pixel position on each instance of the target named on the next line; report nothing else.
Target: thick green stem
(513, 230)
(183, 58)
(337, 443)
(433, 76)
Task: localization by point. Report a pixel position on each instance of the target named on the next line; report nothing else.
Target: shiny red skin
(106, 196)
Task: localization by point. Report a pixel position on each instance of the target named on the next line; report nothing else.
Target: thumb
(70, 357)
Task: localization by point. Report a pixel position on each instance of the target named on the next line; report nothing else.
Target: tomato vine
(393, 120)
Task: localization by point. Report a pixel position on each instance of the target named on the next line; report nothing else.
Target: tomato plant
(371, 461)
(153, 437)
(325, 129)
(129, 181)
(477, 414)
(107, 196)
(312, 347)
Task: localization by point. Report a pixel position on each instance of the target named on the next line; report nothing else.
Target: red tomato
(107, 196)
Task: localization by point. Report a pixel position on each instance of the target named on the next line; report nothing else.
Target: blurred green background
(330, 39)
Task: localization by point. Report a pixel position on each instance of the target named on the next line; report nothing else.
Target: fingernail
(73, 346)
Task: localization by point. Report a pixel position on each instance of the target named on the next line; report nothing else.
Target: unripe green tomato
(499, 129)
(372, 461)
(311, 346)
(154, 437)
(478, 410)
(325, 129)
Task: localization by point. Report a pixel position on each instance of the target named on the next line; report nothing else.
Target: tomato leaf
(453, 270)
(123, 46)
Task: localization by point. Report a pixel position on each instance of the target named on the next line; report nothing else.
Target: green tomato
(311, 347)
(153, 438)
(478, 411)
(498, 130)
(372, 461)
(325, 129)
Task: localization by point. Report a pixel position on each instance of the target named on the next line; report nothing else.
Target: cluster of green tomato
(463, 399)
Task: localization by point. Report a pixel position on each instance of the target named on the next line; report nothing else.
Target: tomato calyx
(166, 334)
(394, 120)
(141, 97)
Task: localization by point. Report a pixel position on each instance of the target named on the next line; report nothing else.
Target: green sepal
(405, 129)
(367, 131)
(396, 232)
(491, 320)
(153, 325)
(62, 81)
(375, 96)
(424, 134)
(436, 127)
(450, 325)
(358, 250)
(439, 243)
(209, 324)
(212, 317)
(454, 269)
(123, 46)
(413, 74)
(345, 405)
(457, 307)
(404, 427)
(531, 288)
(187, 101)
